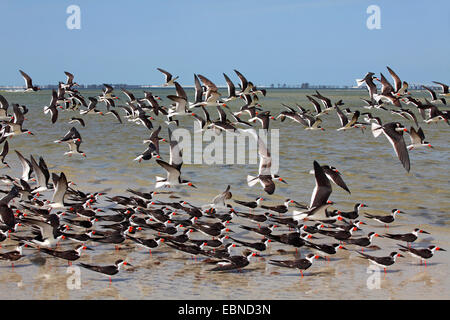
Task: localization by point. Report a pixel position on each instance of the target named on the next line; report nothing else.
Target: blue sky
(315, 41)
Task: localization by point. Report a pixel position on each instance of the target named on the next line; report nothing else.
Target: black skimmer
(406, 237)
(340, 235)
(213, 243)
(325, 250)
(69, 255)
(433, 95)
(147, 243)
(295, 239)
(15, 254)
(417, 139)
(173, 176)
(281, 208)
(444, 87)
(109, 270)
(91, 108)
(153, 103)
(259, 246)
(14, 127)
(334, 176)
(28, 82)
(345, 123)
(434, 114)
(387, 92)
(194, 250)
(107, 93)
(394, 133)
(301, 264)
(384, 219)
(169, 78)
(52, 108)
(259, 218)
(363, 241)
(4, 105)
(69, 81)
(234, 262)
(47, 233)
(265, 231)
(250, 204)
(322, 189)
(73, 140)
(231, 89)
(181, 238)
(3, 154)
(42, 175)
(382, 262)
(27, 168)
(245, 88)
(153, 146)
(352, 215)
(368, 80)
(59, 193)
(263, 118)
(212, 96)
(325, 101)
(265, 176)
(218, 202)
(400, 88)
(312, 123)
(422, 254)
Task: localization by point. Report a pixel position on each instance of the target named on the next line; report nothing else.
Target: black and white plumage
(417, 139)
(368, 80)
(322, 189)
(52, 107)
(334, 176)
(301, 264)
(4, 105)
(265, 177)
(394, 133)
(168, 76)
(28, 82)
(382, 262)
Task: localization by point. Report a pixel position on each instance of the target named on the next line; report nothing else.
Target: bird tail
(359, 82)
(159, 182)
(298, 215)
(251, 180)
(376, 129)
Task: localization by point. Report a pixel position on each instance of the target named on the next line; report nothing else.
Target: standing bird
(301, 264)
(406, 237)
(384, 219)
(382, 262)
(422, 254)
(109, 270)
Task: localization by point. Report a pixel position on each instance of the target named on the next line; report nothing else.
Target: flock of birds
(33, 219)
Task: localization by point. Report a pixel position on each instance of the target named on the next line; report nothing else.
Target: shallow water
(368, 165)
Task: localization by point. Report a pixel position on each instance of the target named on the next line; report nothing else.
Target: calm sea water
(368, 165)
